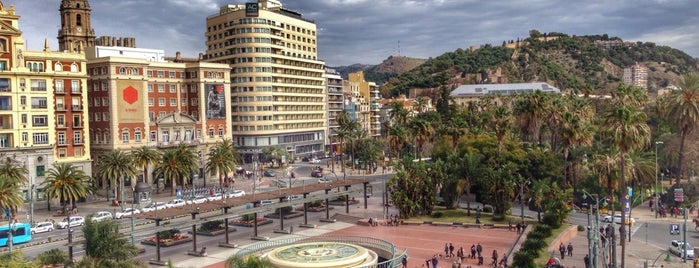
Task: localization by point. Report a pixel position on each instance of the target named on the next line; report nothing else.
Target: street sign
(674, 229)
(679, 195)
(629, 190)
(627, 206)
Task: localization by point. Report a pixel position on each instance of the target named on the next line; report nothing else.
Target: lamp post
(521, 198)
(31, 202)
(592, 230)
(10, 238)
(133, 192)
(655, 191)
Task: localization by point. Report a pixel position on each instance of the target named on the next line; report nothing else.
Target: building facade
(364, 96)
(277, 84)
(335, 104)
(76, 30)
(636, 75)
(136, 98)
(467, 93)
(43, 96)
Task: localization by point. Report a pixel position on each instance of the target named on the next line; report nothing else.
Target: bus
(21, 234)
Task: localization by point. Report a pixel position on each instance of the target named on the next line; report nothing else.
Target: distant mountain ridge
(592, 63)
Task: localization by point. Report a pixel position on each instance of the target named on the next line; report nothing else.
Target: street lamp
(655, 191)
(592, 233)
(521, 198)
(133, 201)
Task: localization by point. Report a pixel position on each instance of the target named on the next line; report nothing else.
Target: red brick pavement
(423, 241)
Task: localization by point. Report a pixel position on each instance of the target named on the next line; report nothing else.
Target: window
(75, 86)
(98, 117)
(97, 102)
(61, 152)
(150, 102)
(105, 116)
(161, 102)
(150, 73)
(153, 135)
(106, 137)
(122, 70)
(59, 86)
(98, 137)
(77, 138)
(198, 133)
(78, 152)
(25, 136)
(61, 120)
(173, 102)
(171, 74)
(150, 88)
(211, 133)
(59, 104)
(105, 101)
(161, 74)
(77, 121)
(161, 88)
(61, 138)
(73, 67)
(23, 100)
(41, 138)
(137, 136)
(183, 102)
(39, 102)
(220, 132)
(134, 71)
(39, 120)
(151, 116)
(173, 89)
(37, 84)
(195, 102)
(166, 136)
(125, 137)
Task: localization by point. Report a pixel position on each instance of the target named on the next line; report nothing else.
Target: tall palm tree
(574, 132)
(422, 132)
(176, 164)
(249, 261)
(397, 113)
(626, 124)
(420, 104)
(17, 174)
(683, 113)
(10, 194)
(145, 156)
(223, 160)
(397, 139)
(115, 166)
(530, 109)
(66, 183)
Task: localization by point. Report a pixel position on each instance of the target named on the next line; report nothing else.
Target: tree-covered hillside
(576, 63)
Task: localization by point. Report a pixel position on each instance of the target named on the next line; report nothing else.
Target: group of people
(392, 220)
(519, 227)
(566, 250)
(461, 256)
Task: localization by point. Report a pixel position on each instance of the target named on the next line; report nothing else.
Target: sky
(369, 31)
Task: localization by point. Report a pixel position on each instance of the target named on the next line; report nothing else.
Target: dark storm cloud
(368, 31)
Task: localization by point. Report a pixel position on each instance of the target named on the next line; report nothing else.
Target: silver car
(74, 222)
(677, 248)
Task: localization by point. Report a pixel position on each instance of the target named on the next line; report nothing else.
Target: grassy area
(460, 215)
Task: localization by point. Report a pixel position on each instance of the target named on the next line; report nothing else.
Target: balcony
(5, 107)
(61, 143)
(60, 126)
(75, 91)
(77, 125)
(78, 141)
(38, 106)
(60, 107)
(60, 91)
(76, 108)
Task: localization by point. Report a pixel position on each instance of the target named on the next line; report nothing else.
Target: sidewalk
(637, 251)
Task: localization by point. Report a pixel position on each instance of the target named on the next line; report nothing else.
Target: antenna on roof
(398, 48)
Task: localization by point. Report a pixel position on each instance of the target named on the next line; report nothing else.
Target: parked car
(268, 173)
(291, 198)
(74, 222)
(314, 160)
(316, 174)
(677, 248)
(42, 227)
(324, 180)
(102, 215)
(126, 212)
(153, 207)
(175, 203)
(196, 200)
(236, 193)
(216, 196)
(266, 202)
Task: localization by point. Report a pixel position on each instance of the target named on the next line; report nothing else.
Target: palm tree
(145, 156)
(106, 247)
(66, 183)
(115, 166)
(222, 160)
(52, 258)
(10, 194)
(538, 192)
(530, 109)
(176, 163)
(398, 139)
(15, 173)
(422, 132)
(683, 113)
(626, 124)
(420, 104)
(574, 132)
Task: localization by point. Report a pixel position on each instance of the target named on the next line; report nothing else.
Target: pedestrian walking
(435, 261)
(473, 251)
(570, 249)
(404, 261)
(495, 257)
(446, 251)
(562, 249)
(587, 261)
(451, 250)
(479, 249)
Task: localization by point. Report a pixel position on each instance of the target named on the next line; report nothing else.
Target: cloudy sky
(369, 31)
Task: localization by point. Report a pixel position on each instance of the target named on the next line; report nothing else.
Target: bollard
(667, 257)
(291, 229)
(645, 264)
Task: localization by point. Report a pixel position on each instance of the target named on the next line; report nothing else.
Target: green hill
(575, 63)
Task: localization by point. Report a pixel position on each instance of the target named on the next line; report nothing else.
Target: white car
(314, 160)
(676, 248)
(41, 227)
(236, 193)
(216, 196)
(153, 206)
(127, 212)
(324, 180)
(74, 222)
(197, 200)
(617, 219)
(266, 202)
(291, 198)
(102, 215)
(175, 203)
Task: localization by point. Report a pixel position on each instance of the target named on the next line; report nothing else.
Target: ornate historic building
(43, 96)
(76, 31)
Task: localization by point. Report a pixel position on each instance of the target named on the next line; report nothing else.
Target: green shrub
(248, 217)
(284, 210)
(211, 225)
(167, 234)
(524, 259)
(552, 220)
(437, 214)
(533, 244)
(581, 228)
(544, 229)
(317, 203)
(488, 209)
